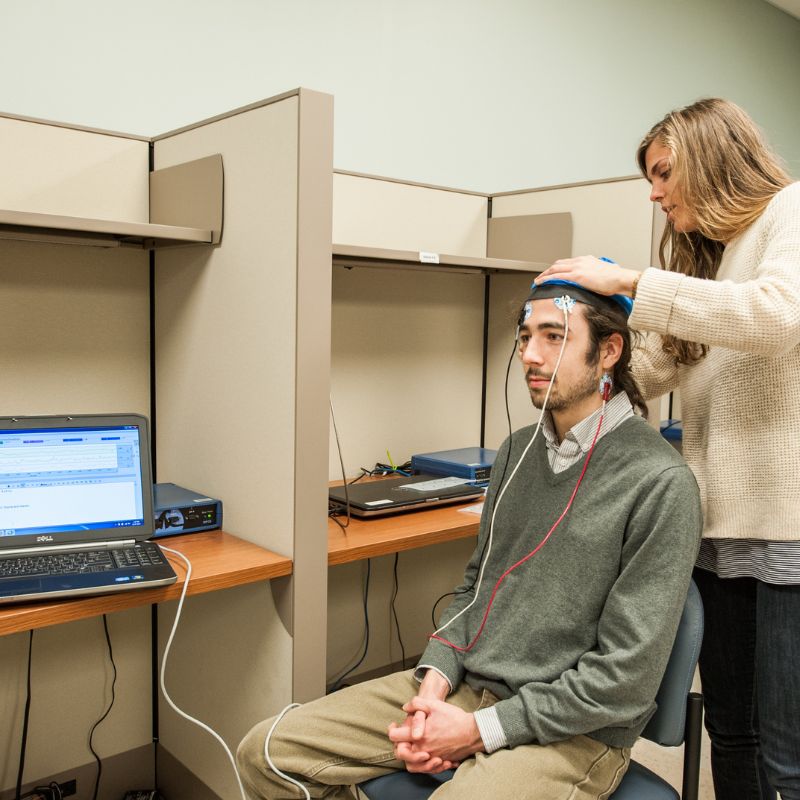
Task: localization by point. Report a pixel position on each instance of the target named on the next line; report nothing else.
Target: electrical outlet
(68, 788)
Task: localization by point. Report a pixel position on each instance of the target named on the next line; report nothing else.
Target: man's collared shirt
(579, 438)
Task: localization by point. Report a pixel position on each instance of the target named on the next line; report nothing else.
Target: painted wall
(477, 95)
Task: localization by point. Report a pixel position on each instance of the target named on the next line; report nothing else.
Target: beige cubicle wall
(406, 364)
(50, 168)
(610, 218)
(405, 378)
(508, 294)
(379, 212)
(74, 327)
(242, 375)
(406, 341)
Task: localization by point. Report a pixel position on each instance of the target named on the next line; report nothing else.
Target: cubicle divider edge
(243, 411)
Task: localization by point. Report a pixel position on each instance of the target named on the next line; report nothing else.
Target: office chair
(678, 720)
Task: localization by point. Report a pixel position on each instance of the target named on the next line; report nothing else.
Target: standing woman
(721, 322)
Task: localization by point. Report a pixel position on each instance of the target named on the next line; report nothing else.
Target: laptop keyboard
(80, 561)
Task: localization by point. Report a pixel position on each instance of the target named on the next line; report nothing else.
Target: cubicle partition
(406, 338)
(242, 374)
(406, 352)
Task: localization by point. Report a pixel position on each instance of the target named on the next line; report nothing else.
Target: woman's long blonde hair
(726, 176)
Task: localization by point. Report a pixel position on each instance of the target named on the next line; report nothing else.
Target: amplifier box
(179, 510)
(472, 463)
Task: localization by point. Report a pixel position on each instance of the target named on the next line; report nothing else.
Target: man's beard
(574, 394)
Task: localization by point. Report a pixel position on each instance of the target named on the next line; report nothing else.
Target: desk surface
(378, 536)
(219, 561)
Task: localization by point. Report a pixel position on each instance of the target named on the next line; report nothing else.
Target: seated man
(545, 670)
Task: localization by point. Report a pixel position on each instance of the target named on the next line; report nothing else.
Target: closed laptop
(397, 495)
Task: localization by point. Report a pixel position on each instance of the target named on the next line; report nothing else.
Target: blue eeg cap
(555, 288)
(549, 288)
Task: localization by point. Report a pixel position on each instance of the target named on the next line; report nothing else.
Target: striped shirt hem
(490, 729)
(771, 562)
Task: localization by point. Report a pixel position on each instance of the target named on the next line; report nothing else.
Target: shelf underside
(30, 226)
(356, 256)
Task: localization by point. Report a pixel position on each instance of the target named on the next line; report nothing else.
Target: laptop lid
(395, 495)
(74, 479)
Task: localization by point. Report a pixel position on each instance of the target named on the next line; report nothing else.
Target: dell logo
(44, 538)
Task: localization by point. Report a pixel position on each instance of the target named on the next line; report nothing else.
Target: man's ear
(611, 351)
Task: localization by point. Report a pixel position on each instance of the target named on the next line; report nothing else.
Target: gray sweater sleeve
(613, 685)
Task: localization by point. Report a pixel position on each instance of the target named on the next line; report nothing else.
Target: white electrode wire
(269, 760)
(511, 477)
(164, 667)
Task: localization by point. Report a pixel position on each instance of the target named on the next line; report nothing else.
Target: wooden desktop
(219, 561)
(378, 536)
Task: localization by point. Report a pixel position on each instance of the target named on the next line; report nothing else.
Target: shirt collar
(618, 409)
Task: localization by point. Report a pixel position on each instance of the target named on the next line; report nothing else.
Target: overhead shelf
(345, 255)
(191, 192)
(30, 226)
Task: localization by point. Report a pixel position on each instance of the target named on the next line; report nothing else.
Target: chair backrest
(667, 725)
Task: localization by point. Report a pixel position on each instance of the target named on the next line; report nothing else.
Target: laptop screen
(73, 479)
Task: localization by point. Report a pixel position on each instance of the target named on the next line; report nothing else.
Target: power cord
(105, 713)
(342, 525)
(50, 792)
(272, 766)
(379, 470)
(383, 470)
(335, 687)
(334, 512)
(395, 590)
(25, 721)
(164, 669)
(338, 683)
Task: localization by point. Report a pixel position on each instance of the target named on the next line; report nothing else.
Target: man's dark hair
(602, 323)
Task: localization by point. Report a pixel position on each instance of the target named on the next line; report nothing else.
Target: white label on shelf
(428, 258)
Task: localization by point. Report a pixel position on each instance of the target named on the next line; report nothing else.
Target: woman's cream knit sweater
(741, 404)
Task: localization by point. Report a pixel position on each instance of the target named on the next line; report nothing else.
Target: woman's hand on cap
(598, 276)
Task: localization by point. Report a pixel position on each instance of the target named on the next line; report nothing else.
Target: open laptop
(76, 506)
(396, 495)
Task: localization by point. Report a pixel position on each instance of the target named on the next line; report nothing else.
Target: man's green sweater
(578, 637)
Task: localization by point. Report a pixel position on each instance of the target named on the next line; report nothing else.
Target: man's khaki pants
(341, 740)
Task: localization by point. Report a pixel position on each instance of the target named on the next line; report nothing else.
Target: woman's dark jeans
(750, 670)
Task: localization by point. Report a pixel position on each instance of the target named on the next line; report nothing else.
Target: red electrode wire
(606, 392)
